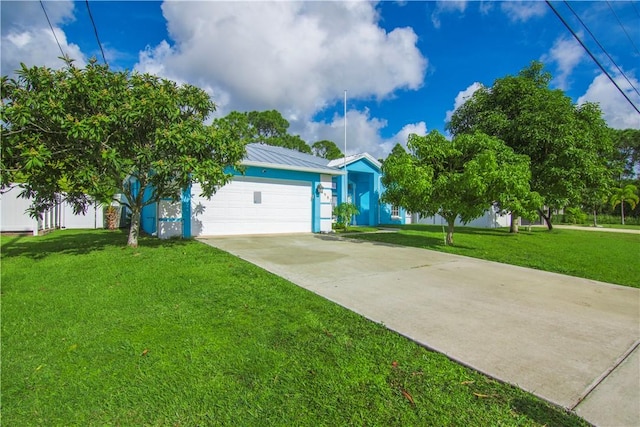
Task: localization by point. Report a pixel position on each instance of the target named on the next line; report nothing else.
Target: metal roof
(285, 158)
(339, 163)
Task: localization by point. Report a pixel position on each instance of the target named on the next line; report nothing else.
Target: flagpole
(344, 158)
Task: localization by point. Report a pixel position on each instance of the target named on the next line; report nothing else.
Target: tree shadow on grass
(544, 414)
(74, 242)
(422, 241)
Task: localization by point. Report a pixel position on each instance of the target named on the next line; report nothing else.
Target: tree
(265, 127)
(628, 194)
(458, 178)
(326, 149)
(89, 133)
(293, 142)
(345, 211)
(569, 146)
(627, 143)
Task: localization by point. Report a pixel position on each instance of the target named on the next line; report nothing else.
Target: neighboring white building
(14, 218)
(490, 219)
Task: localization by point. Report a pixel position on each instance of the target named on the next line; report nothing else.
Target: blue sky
(405, 65)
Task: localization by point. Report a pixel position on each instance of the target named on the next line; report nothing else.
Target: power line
(622, 26)
(52, 31)
(95, 30)
(591, 55)
(601, 47)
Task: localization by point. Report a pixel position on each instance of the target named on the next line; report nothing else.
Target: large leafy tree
(627, 143)
(459, 178)
(326, 149)
(90, 133)
(265, 127)
(569, 146)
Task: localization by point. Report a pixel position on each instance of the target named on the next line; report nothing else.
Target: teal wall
(365, 189)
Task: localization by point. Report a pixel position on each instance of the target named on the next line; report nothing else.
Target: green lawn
(178, 333)
(605, 256)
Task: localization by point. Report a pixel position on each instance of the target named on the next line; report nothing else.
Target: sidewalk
(568, 340)
(591, 228)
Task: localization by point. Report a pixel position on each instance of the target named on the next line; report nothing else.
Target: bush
(344, 212)
(575, 216)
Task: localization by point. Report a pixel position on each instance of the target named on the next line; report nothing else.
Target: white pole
(344, 159)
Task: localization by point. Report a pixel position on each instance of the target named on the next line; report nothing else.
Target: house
(281, 191)
(15, 219)
(364, 188)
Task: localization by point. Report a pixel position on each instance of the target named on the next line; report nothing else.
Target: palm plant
(629, 194)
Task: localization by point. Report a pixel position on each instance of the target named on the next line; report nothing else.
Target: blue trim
(170, 219)
(315, 206)
(149, 213)
(186, 212)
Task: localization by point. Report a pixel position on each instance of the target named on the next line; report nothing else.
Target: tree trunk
(134, 230)
(595, 218)
(514, 223)
(450, 225)
(547, 218)
(622, 211)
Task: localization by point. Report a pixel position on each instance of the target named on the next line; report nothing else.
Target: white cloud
(363, 133)
(567, 54)
(617, 111)
(296, 57)
(485, 7)
(402, 137)
(462, 97)
(22, 15)
(522, 11)
(26, 36)
(447, 6)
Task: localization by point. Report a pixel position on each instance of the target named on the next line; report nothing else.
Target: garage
(250, 205)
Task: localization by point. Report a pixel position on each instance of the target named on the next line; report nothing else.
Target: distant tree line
(270, 128)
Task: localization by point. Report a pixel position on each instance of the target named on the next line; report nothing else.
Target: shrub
(344, 212)
(575, 216)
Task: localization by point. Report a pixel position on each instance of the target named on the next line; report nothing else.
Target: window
(395, 212)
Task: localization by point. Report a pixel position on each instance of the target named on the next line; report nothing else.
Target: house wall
(365, 189)
(149, 216)
(92, 218)
(13, 216)
(168, 219)
(490, 219)
(386, 218)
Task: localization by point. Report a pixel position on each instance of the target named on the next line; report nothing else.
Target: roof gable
(340, 163)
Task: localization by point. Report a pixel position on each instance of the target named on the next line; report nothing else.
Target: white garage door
(252, 206)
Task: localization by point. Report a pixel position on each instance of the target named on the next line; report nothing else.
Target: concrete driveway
(571, 341)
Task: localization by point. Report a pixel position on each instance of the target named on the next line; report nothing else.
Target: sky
(405, 65)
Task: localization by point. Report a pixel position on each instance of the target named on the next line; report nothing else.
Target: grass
(179, 333)
(603, 256)
(356, 229)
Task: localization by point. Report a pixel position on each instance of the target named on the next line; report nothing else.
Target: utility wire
(52, 31)
(622, 26)
(95, 30)
(591, 55)
(601, 47)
